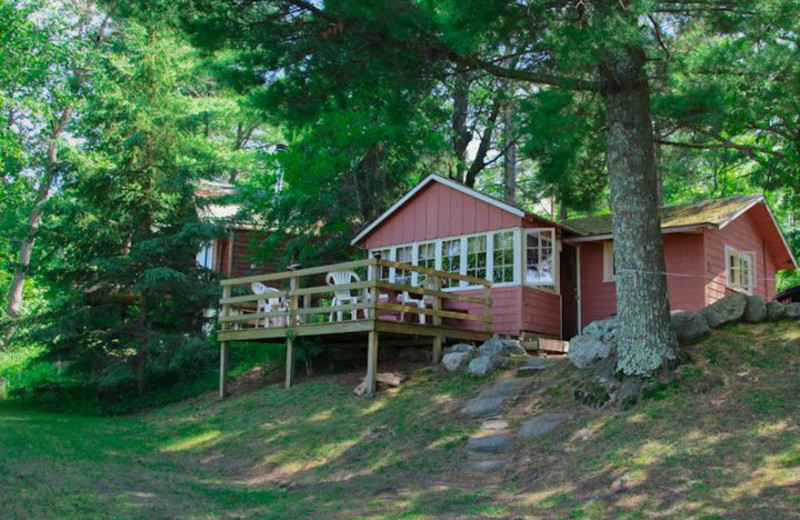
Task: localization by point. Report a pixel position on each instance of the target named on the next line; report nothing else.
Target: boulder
(727, 310)
(689, 327)
(584, 350)
(494, 346)
(515, 347)
(543, 423)
(775, 310)
(455, 361)
(462, 347)
(484, 365)
(792, 310)
(595, 393)
(629, 393)
(603, 330)
(755, 310)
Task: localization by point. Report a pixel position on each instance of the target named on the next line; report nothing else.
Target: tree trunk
(15, 293)
(510, 155)
(646, 341)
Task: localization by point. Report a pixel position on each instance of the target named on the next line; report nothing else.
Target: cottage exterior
(550, 279)
(237, 254)
(711, 248)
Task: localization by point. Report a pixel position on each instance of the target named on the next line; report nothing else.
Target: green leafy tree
(127, 296)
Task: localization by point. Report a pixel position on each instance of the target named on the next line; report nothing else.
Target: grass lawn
(721, 442)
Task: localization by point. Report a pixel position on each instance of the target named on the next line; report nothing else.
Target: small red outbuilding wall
(695, 265)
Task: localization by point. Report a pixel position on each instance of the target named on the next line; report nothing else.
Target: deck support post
(437, 349)
(223, 370)
(289, 362)
(372, 363)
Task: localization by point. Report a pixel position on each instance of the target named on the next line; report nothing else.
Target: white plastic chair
(276, 303)
(423, 302)
(344, 296)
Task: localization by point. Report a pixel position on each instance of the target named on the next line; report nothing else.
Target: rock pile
(484, 360)
(596, 349)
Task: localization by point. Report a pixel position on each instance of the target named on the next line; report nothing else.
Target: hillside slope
(721, 441)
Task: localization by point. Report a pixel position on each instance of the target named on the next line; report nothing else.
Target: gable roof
(421, 186)
(714, 212)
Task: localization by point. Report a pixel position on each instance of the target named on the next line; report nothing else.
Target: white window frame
(489, 236)
(556, 288)
(750, 256)
(609, 274)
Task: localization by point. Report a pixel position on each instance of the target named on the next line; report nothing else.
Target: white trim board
(419, 187)
(610, 236)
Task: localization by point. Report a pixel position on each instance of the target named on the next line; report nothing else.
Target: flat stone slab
(497, 443)
(487, 466)
(506, 388)
(494, 424)
(543, 423)
(483, 407)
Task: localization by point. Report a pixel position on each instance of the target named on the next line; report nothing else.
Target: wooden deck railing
(307, 298)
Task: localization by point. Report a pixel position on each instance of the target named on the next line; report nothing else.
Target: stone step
(483, 407)
(542, 424)
(497, 443)
(507, 388)
(494, 425)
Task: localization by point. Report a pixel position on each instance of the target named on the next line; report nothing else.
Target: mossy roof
(704, 212)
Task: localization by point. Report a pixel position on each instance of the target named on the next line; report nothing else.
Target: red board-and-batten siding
(692, 283)
(439, 211)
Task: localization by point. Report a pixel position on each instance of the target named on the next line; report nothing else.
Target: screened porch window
(503, 256)
(540, 269)
(476, 256)
(404, 255)
(451, 258)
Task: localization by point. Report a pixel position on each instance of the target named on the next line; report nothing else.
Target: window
(476, 256)
(386, 254)
(609, 269)
(451, 259)
(540, 258)
(492, 256)
(503, 257)
(739, 269)
(404, 255)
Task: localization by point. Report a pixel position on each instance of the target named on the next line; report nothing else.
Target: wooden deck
(382, 310)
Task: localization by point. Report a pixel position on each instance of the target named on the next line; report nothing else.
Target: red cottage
(550, 279)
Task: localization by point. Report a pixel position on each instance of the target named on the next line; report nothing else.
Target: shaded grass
(720, 441)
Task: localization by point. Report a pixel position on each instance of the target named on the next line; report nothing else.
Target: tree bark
(646, 341)
(28, 242)
(510, 155)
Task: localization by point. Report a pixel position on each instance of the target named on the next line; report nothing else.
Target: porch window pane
(503, 270)
(451, 260)
(386, 254)
(426, 257)
(540, 260)
(476, 256)
(404, 255)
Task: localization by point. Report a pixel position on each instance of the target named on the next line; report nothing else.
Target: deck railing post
(487, 307)
(294, 301)
(223, 347)
(436, 284)
(372, 293)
